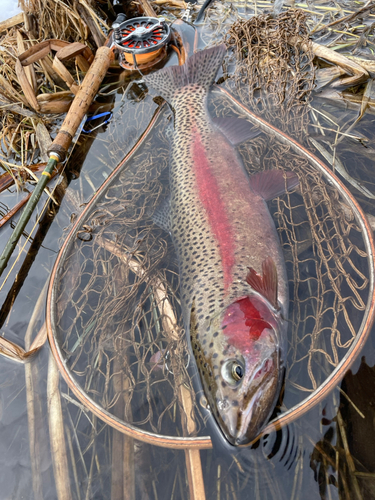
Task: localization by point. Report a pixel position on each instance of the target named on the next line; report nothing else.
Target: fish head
(246, 368)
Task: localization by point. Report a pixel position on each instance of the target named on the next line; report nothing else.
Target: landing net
(114, 307)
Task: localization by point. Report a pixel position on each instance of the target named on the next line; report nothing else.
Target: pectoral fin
(265, 285)
(236, 130)
(272, 183)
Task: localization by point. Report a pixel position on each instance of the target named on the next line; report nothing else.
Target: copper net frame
(204, 442)
(190, 443)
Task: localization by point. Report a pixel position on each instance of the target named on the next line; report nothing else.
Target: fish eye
(233, 371)
(237, 372)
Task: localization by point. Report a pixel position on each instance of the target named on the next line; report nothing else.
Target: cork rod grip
(82, 101)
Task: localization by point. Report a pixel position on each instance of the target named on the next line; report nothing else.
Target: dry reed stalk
(26, 87)
(180, 4)
(65, 75)
(12, 21)
(9, 106)
(56, 432)
(117, 444)
(350, 17)
(123, 474)
(170, 326)
(56, 107)
(37, 431)
(30, 73)
(64, 52)
(71, 51)
(128, 449)
(97, 34)
(147, 8)
(13, 351)
(357, 72)
(348, 456)
(10, 92)
(366, 64)
(51, 76)
(325, 76)
(346, 100)
(44, 140)
(57, 96)
(95, 17)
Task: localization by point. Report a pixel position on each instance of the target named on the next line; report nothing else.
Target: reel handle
(82, 102)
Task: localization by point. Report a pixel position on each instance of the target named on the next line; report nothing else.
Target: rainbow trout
(234, 292)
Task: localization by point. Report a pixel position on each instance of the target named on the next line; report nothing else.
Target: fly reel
(141, 41)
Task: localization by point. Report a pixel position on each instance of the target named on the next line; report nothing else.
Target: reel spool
(141, 41)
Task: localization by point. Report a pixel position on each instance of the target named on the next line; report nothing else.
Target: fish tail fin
(200, 69)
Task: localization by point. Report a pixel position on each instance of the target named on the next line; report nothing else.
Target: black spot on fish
(215, 334)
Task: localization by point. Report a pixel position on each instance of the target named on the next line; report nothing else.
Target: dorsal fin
(265, 285)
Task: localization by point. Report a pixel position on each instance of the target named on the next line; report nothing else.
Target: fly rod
(59, 147)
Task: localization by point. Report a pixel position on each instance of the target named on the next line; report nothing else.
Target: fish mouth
(253, 417)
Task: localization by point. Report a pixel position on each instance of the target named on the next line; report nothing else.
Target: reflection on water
(325, 454)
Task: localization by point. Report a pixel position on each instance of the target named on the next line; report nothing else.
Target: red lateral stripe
(211, 199)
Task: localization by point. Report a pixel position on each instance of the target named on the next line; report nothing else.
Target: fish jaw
(257, 402)
(245, 409)
(250, 343)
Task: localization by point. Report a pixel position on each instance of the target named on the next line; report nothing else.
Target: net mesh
(118, 316)
(274, 72)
